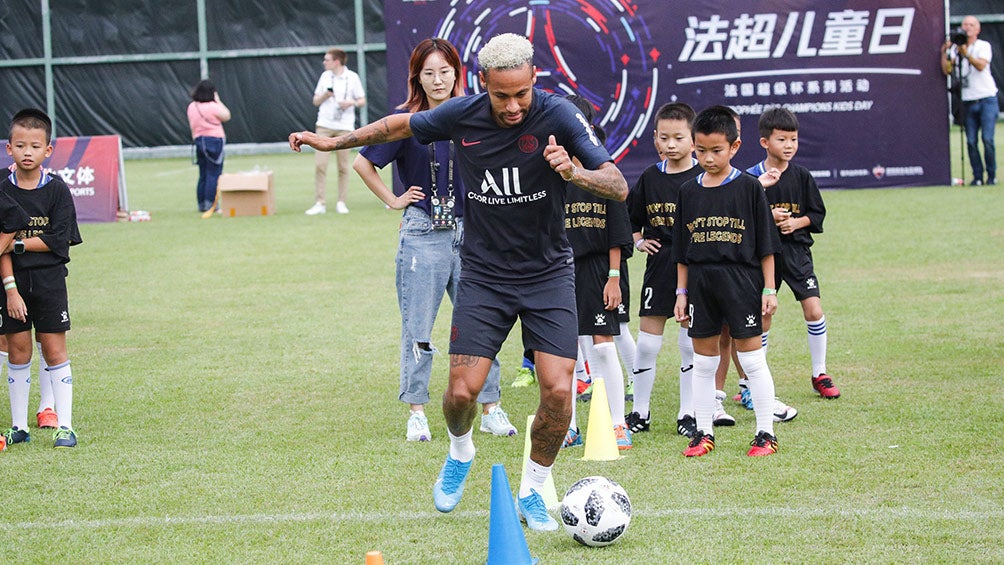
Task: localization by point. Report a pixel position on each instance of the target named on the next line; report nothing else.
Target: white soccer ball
(596, 511)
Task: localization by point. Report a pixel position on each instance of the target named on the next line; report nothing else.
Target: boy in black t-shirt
(598, 229)
(35, 265)
(12, 219)
(724, 243)
(798, 211)
(651, 205)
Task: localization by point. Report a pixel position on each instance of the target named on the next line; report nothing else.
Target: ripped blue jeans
(428, 266)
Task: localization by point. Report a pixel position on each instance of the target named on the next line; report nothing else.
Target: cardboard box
(246, 194)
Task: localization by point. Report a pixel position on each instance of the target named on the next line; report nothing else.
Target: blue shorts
(726, 294)
(485, 313)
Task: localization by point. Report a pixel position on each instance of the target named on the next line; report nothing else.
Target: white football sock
(534, 478)
(586, 350)
(704, 391)
(461, 447)
(626, 349)
(608, 367)
(62, 393)
(644, 371)
(686, 346)
(18, 387)
(573, 423)
(817, 345)
(763, 341)
(45, 399)
(761, 385)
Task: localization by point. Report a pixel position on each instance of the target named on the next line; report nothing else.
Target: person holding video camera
(979, 93)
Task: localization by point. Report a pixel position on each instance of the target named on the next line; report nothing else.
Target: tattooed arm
(390, 128)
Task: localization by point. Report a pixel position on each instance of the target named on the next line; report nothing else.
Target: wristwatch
(18, 246)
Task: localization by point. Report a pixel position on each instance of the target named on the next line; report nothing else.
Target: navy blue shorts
(793, 265)
(44, 292)
(485, 313)
(658, 289)
(591, 275)
(724, 295)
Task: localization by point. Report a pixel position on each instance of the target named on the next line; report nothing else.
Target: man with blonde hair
(514, 146)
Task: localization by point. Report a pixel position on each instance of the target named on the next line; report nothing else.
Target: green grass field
(237, 383)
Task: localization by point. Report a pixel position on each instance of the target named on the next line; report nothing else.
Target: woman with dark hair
(206, 115)
(428, 255)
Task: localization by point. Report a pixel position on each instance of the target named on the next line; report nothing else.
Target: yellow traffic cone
(601, 443)
(550, 495)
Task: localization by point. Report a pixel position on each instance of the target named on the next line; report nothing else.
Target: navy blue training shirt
(514, 228)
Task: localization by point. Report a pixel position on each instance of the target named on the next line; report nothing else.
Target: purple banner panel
(863, 77)
(91, 168)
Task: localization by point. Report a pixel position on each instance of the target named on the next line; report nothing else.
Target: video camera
(958, 36)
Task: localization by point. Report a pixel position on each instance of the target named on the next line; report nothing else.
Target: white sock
(586, 350)
(608, 367)
(573, 423)
(644, 371)
(45, 399)
(626, 349)
(534, 478)
(461, 447)
(763, 341)
(62, 393)
(704, 391)
(761, 385)
(686, 346)
(817, 345)
(18, 387)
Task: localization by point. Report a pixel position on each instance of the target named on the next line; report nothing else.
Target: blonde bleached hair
(504, 52)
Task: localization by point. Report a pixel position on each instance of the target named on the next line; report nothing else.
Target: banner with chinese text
(862, 77)
(92, 169)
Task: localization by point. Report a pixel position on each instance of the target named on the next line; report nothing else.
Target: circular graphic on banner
(601, 51)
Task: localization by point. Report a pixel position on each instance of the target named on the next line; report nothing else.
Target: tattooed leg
(555, 409)
(460, 401)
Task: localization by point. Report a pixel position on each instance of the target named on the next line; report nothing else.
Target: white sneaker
(497, 422)
(721, 418)
(783, 412)
(418, 427)
(341, 207)
(316, 209)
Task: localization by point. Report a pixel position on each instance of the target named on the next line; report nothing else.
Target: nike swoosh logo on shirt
(466, 143)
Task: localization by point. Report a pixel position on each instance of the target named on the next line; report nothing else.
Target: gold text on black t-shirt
(702, 229)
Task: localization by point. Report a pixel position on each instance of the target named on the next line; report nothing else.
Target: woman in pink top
(206, 115)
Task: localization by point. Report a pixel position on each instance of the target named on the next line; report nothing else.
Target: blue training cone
(506, 542)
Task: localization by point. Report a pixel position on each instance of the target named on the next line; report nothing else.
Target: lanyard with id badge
(442, 208)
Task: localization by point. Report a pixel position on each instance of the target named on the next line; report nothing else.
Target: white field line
(168, 521)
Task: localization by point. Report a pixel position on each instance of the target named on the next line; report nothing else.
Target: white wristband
(639, 243)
